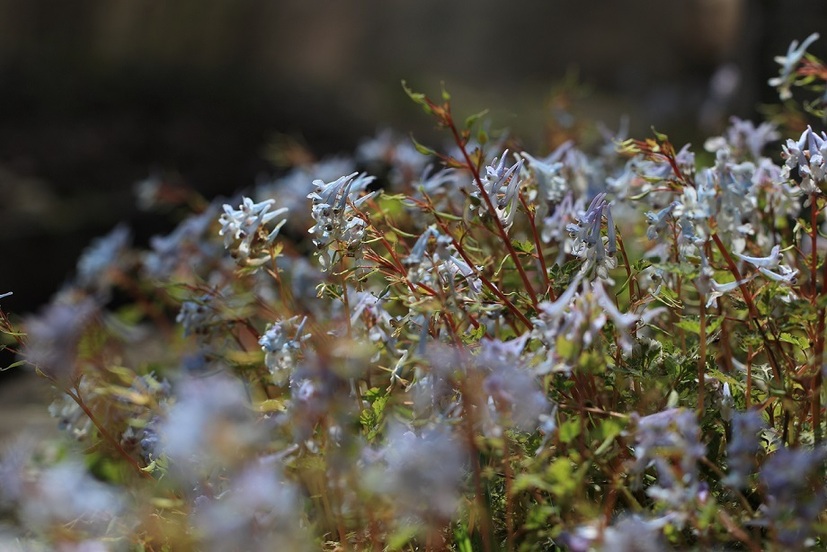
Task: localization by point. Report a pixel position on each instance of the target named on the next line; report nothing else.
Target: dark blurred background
(96, 95)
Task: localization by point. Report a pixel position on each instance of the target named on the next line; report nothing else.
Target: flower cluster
(245, 231)
(335, 211)
(616, 345)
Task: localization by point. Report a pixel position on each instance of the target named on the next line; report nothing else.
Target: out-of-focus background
(96, 95)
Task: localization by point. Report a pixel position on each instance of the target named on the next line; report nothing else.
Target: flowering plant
(620, 350)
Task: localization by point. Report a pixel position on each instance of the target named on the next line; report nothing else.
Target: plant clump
(615, 346)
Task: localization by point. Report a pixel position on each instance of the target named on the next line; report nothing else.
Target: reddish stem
(500, 228)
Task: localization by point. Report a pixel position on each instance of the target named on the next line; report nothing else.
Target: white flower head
(246, 233)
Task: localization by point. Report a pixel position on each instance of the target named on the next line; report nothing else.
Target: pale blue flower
(100, 257)
(333, 209)
(502, 185)
(795, 54)
(280, 349)
(743, 447)
(770, 261)
(245, 230)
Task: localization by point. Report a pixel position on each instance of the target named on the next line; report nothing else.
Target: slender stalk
(633, 295)
(486, 282)
(701, 355)
(818, 353)
(500, 228)
(484, 516)
(538, 245)
(509, 496)
(753, 311)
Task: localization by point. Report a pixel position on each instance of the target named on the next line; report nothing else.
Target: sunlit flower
(794, 55)
(334, 205)
(246, 232)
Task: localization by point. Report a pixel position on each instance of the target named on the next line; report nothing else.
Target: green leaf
(560, 471)
(13, 365)
(474, 335)
(523, 246)
(446, 96)
(423, 149)
(417, 97)
(660, 136)
(527, 481)
(471, 120)
(799, 341)
(462, 539)
(693, 324)
(402, 536)
(569, 430)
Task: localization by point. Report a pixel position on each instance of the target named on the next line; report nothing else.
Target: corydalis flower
(745, 139)
(183, 247)
(211, 426)
(659, 221)
(578, 316)
(197, 315)
(502, 185)
(794, 55)
(54, 335)
(807, 155)
(280, 350)
(368, 310)
(334, 205)
(66, 496)
(420, 473)
(245, 231)
(259, 510)
(588, 242)
(100, 257)
(743, 447)
(671, 441)
(795, 494)
(513, 392)
(551, 185)
(443, 267)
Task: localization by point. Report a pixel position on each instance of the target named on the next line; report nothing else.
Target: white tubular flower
(719, 290)
(771, 261)
(503, 187)
(658, 221)
(551, 185)
(794, 55)
(786, 275)
(334, 212)
(589, 245)
(808, 156)
(280, 349)
(245, 230)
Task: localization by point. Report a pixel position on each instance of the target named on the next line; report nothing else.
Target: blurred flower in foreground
(744, 446)
(209, 428)
(259, 510)
(102, 256)
(794, 483)
(54, 335)
(61, 498)
(670, 440)
(420, 474)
